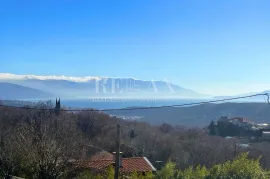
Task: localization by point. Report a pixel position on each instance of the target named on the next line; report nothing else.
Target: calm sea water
(113, 103)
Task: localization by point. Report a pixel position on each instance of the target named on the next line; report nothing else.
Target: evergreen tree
(212, 128)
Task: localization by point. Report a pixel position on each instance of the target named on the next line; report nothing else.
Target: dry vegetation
(39, 144)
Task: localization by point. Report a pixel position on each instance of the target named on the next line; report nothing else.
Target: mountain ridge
(100, 87)
(14, 91)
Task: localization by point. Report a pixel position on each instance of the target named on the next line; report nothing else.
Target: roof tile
(129, 165)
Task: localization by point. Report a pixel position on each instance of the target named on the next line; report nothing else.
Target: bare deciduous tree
(48, 142)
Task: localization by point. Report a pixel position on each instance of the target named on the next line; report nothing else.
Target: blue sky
(214, 47)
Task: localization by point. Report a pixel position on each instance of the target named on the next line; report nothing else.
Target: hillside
(39, 143)
(13, 91)
(201, 115)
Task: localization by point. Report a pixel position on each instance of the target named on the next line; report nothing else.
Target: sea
(116, 103)
(124, 103)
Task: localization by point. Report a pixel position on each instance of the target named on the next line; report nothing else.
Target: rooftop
(103, 160)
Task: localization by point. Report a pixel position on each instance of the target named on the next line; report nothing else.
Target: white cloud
(9, 76)
(214, 89)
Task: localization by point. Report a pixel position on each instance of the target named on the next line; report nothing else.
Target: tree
(166, 128)
(240, 168)
(10, 157)
(10, 161)
(136, 175)
(212, 128)
(132, 134)
(48, 142)
(167, 172)
(193, 173)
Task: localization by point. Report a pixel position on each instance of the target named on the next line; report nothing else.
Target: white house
(266, 135)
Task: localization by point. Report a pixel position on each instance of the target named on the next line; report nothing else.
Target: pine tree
(212, 128)
(57, 107)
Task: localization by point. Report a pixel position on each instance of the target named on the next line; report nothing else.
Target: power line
(143, 108)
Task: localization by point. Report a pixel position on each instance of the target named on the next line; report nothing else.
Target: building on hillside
(266, 135)
(243, 145)
(224, 119)
(229, 137)
(243, 122)
(100, 162)
(262, 126)
(240, 119)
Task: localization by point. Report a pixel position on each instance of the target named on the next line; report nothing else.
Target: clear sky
(211, 46)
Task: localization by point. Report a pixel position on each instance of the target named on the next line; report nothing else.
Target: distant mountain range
(42, 87)
(16, 92)
(29, 86)
(25, 87)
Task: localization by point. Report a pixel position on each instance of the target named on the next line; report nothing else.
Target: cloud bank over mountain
(9, 76)
(87, 87)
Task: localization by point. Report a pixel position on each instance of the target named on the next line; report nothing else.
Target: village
(240, 129)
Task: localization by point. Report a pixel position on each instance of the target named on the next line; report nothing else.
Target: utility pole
(117, 157)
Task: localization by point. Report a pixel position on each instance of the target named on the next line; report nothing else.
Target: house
(266, 135)
(243, 145)
(224, 119)
(100, 162)
(229, 137)
(234, 120)
(263, 126)
(240, 119)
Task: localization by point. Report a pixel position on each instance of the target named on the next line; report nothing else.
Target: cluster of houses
(244, 123)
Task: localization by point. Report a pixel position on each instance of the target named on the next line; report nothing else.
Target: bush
(167, 172)
(88, 175)
(240, 168)
(136, 175)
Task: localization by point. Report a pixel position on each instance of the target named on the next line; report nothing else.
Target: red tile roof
(95, 164)
(129, 165)
(139, 164)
